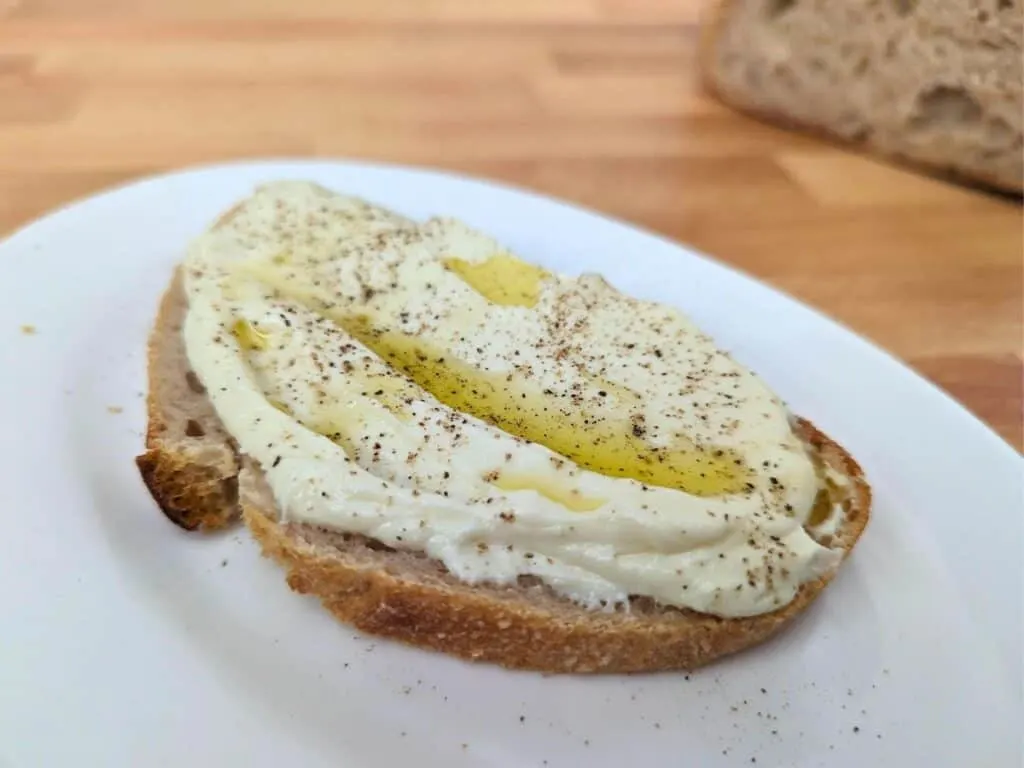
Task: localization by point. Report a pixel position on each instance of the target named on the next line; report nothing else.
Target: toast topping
(423, 387)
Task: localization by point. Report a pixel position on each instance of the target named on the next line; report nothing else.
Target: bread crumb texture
(936, 82)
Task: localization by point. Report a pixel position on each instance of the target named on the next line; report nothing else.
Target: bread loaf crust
(963, 124)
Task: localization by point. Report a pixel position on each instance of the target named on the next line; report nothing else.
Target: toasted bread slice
(934, 83)
(193, 474)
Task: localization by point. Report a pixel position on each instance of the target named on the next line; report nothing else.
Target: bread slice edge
(190, 465)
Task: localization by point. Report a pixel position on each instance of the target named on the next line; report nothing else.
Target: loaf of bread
(936, 83)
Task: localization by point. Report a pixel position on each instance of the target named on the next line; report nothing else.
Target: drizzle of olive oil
(621, 395)
(549, 488)
(609, 446)
(340, 421)
(284, 282)
(281, 406)
(249, 337)
(821, 510)
(392, 390)
(501, 279)
(339, 426)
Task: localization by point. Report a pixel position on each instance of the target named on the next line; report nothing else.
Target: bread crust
(192, 496)
(717, 17)
(554, 636)
(196, 490)
(406, 597)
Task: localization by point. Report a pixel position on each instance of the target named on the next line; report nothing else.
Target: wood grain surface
(591, 100)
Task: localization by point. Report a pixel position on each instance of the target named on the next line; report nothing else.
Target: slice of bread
(937, 83)
(193, 472)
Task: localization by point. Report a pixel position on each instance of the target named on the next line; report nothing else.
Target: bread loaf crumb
(938, 83)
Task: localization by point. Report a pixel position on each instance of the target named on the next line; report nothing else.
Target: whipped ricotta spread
(416, 383)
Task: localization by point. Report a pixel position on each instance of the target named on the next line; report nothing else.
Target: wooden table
(592, 100)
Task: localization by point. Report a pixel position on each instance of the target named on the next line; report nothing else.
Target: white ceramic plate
(127, 642)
